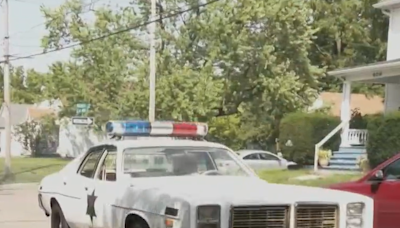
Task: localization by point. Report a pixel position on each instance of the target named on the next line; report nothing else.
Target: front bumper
(40, 201)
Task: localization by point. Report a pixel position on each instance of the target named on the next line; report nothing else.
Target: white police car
(182, 181)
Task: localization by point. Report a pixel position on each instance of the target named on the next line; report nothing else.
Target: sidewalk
(19, 207)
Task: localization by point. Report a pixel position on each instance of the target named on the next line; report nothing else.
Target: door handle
(65, 183)
(86, 188)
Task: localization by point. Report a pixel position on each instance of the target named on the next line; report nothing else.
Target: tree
(260, 59)
(101, 72)
(350, 33)
(26, 85)
(217, 60)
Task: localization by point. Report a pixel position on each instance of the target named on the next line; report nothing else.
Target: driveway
(19, 207)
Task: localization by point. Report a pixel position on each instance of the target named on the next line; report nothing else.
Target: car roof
(159, 142)
(243, 153)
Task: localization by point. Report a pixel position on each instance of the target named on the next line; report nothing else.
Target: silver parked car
(259, 160)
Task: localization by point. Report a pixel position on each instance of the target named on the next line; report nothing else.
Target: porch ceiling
(384, 80)
(387, 4)
(379, 72)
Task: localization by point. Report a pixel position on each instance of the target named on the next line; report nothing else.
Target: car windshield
(179, 161)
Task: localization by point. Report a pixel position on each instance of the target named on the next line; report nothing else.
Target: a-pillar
(345, 113)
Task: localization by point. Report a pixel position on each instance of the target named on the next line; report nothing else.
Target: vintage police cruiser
(164, 175)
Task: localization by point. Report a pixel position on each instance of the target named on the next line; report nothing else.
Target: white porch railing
(357, 136)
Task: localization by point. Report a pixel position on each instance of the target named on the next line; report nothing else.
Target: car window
(269, 157)
(108, 167)
(178, 161)
(251, 157)
(392, 171)
(89, 165)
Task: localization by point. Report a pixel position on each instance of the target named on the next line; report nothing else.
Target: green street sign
(82, 109)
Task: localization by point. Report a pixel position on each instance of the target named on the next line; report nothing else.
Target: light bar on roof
(145, 128)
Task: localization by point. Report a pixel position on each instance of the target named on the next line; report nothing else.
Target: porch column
(345, 114)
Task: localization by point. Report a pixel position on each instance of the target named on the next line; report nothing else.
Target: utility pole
(7, 101)
(152, 28)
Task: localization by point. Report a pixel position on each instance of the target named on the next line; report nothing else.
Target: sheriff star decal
(90, 210)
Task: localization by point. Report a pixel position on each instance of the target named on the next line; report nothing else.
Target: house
(20, 113)
(387, 72)
(360, 102)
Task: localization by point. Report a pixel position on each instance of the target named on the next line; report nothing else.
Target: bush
(383, 139)
(226, 130)
(359, 121)
(305, 130)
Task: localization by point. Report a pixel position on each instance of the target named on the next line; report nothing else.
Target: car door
(386, 196)
(84, 187)
(105, 189)
(269, 161)
(252, 160)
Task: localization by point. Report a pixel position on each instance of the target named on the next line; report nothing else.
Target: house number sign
(377, 74)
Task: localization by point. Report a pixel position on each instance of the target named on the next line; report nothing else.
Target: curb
(18, 186)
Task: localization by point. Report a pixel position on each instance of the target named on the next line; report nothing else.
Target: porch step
(346, 158)
(343, 162)
(352, 150)
(348, 154)
(342, 168)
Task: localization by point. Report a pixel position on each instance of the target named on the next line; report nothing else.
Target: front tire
(57, 217)
(136, 223)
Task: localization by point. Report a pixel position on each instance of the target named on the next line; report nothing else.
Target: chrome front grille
(260, 217)
(316, 216)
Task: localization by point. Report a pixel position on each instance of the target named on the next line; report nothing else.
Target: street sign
(82, 108)
(80, 120)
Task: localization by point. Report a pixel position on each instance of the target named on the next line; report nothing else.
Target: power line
(29, 2)
(113, 33)
(40, 24)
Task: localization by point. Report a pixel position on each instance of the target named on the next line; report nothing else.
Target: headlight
(355, 213)
(208, 216)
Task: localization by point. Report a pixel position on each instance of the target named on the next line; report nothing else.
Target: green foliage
(350, 33)
(26, 85)
(383, 137)
(37, 137)
(210, 62)
(226, 130)
(324, 154)
(305, 130)
(243, 64)
(359, 121)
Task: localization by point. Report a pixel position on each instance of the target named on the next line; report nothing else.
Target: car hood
(239, 190)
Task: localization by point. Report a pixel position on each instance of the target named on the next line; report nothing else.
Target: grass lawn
(287, 177)
(27, 170)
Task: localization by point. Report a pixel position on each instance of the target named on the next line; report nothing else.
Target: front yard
(289, 177)
(27, 170)
(34, 169)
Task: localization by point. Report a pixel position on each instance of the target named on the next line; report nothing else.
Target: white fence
(75, 140)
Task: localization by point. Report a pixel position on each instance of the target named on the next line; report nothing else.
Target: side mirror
(378, 175)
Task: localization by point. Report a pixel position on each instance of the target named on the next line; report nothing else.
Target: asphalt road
(19, 207)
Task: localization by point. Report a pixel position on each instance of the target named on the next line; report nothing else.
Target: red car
(383, 185)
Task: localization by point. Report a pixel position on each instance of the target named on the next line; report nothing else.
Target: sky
(26, 28)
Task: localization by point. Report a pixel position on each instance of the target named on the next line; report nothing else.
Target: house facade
(20, 113)
(387, 72)
(333, 101)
